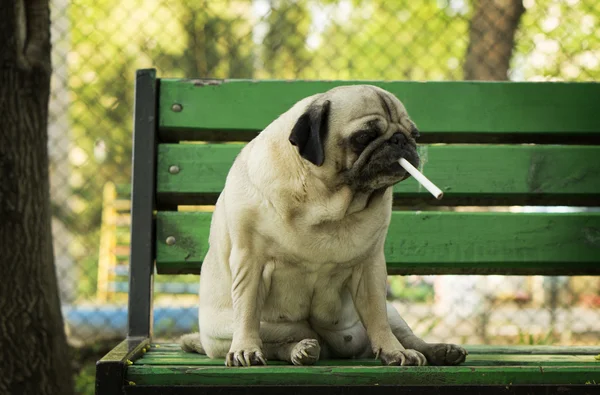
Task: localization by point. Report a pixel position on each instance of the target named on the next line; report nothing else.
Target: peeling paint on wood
(168, 365)
(592, 236)
(434, 242)
(518, 107)
(461, 171)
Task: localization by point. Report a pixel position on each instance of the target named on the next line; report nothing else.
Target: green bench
(475, 144)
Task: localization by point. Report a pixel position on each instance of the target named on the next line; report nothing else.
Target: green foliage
(85, 379)
(558, 40)
(314, 39)
(401, 289)
(100, 114)
(217, 38)
(111, 39)
(88, 275)
(393, 40)
(544, 339)
(284, 50)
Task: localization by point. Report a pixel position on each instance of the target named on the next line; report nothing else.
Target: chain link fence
(98, 44)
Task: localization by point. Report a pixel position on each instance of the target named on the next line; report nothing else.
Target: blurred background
(98, 45)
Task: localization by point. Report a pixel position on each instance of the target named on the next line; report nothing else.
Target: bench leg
(110, 370)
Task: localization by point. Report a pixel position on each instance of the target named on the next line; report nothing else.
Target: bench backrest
(483, 143)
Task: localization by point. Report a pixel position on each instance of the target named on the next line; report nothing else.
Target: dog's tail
(191, 343)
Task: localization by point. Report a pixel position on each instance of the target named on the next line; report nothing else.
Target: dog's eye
(414, 133)
(363, 138)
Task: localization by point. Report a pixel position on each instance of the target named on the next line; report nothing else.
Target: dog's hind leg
(436, 353)
(304, 352)
(293, 342)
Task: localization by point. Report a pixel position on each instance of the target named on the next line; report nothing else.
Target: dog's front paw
(402, 358)
(245, 356)
(445, 354)
(306, 352)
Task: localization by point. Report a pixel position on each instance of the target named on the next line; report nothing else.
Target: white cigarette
(435, 191)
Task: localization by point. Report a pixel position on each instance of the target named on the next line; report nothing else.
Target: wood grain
(513, 174)
(453, 107)
(167, 365)
(435, 242)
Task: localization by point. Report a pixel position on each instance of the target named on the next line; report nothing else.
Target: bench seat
(166, 364)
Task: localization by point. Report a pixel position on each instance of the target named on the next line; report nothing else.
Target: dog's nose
(398, 138)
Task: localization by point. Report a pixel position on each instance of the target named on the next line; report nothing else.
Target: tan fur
(295, 254)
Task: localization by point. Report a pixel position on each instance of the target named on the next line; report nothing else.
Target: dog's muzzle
(381, 167)
(402, 147)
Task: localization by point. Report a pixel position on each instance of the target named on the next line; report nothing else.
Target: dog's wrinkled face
(356, 135)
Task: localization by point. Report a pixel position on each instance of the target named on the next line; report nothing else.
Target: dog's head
(355, 135)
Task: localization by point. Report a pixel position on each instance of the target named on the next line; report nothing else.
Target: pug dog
(295, 269)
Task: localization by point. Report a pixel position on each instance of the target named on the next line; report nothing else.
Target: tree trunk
(491, 39)
(33, 350)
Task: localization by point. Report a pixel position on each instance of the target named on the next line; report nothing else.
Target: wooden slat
(468, 174)
(471, 348)
(363, 375)
(436, 243)
(455, 108)
(170, 366)
(171, 354)
(186, 359)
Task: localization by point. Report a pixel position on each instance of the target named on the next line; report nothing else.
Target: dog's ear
(310, 132)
